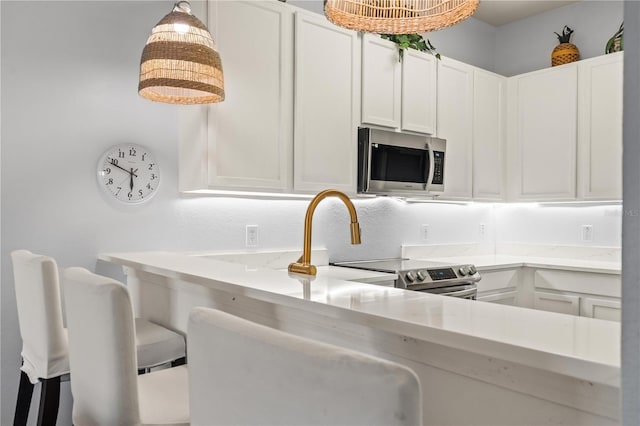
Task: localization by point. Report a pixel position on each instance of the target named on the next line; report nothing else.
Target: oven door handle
(462, 293)
(430, 168)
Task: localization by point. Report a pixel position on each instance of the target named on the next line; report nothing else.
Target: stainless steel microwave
(398, 163)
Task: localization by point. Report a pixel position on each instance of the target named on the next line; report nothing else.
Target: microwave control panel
(438, 167)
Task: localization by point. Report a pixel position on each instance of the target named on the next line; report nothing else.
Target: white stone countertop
(580, 347)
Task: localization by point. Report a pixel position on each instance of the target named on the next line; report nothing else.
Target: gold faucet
(303, 265)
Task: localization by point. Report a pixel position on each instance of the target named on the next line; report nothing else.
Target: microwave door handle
(367, 172)
(430, 167)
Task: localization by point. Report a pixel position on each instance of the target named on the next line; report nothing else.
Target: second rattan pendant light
(179, 63)
(398, 16)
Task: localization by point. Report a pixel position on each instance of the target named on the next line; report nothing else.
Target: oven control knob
(422, 275)
(472, 270)
(463, 270)
(410, 276)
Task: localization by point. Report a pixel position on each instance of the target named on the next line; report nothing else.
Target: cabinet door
(250, 133)
(488, 135)
(327, 77)
(419, 92)
(501, 298)
(455, 124)
(601, 308)
(600, 128)
(562, 303)
(544, 108)
(381, 82)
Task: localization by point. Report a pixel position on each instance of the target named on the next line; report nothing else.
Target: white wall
(558, 224)
(526, 45)
(69, 88)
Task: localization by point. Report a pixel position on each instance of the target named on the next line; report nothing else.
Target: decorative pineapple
(565, 52)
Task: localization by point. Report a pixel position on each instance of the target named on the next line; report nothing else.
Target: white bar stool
(102, 351)
(44, 339)
(243, 373)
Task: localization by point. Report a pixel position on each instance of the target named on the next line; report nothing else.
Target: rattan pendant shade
(398, 16)
(179, 63)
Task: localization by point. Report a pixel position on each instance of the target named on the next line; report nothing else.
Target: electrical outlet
(424, 232)
(587, 232)
(251, 236)
(482, 229)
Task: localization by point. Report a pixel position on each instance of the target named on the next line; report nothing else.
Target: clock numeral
(120, 153)
(130, 195)
(132, 152)
(140, 192)
(151, 166)
(153, 176)
(119, 189)
(113, 161)
(149, 186)
(144, 155)
(110, 181)
(107, 171)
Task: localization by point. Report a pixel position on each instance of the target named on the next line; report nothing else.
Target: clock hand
(122, 168)
(131, 179)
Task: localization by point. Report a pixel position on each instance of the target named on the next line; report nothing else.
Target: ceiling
(500, 12)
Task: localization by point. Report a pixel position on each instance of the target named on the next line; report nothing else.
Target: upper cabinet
(455, 124)
(327, 105)
(542, 132)
(565, 127)
(489, 94)
(600, 128)
(397, 94)
(250, 133)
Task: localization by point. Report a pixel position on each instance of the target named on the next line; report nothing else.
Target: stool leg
(49, 402)
(25, 392)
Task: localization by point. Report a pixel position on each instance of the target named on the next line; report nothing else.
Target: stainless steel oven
(457, 280)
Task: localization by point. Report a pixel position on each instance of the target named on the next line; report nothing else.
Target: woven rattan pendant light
(398, 16)
(179, 63)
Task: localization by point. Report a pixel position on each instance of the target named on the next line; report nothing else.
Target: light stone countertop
(584, 348)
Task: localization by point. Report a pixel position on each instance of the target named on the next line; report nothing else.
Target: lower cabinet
(499, 286)
(509, 297)
(553, 302)
(608, 309)
(588, 294)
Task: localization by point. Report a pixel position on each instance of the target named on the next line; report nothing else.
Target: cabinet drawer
(579, 282)
(561, 303)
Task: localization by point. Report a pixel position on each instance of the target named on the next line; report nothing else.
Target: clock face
(129, 173)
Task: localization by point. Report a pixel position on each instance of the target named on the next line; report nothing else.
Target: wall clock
(129, 173)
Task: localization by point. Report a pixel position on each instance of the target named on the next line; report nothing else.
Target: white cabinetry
(250, 137)
(419, 92)
(595, 295)
(489, 92)
(327, 94)
(455, 124)
(542, 129)
(500, 286)
(600, 128)
(552, 302)
(608, 309)
(397, 94)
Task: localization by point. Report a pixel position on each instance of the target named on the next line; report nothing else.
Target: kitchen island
(478, 363)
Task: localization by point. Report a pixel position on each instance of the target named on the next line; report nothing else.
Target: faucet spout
(303, 265)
